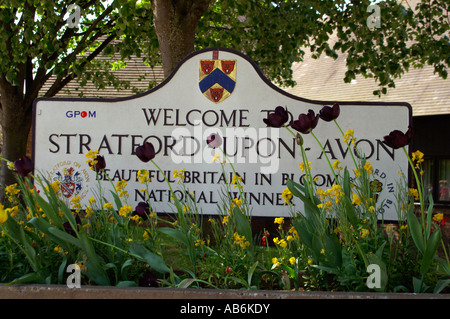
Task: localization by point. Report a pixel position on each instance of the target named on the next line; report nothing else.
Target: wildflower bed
(330, 245)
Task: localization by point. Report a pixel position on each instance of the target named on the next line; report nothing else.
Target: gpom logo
(81, 114)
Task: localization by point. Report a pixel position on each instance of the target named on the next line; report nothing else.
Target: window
(444, 180)
(436, 179)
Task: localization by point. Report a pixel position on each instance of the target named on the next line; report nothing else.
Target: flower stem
(326, 157)
(348, 146)
(419, 187)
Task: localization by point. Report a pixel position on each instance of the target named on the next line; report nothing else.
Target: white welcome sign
(212, 91)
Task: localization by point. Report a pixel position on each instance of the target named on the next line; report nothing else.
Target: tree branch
(60, 83)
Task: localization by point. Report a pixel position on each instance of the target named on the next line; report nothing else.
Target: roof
(141, 78)
(317, 79)
(323, 79)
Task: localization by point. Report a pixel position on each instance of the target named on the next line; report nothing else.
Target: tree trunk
(175, 24)
(16, 123)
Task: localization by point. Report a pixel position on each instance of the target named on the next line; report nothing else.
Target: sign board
(211, 91)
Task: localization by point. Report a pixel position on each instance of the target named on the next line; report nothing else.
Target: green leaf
(295, 190)
(49, 210)
(62, 269)
(126, 264)
(430, 251)
(65, 236)
(416, 231)
(250, 273)
(27, 278)
(126, 283)
(301, 225)
(347, 184)
(333, 250)
(429, 214)
(242, 223)
(153, 260)
(442, 284)
(95, 270)
(175, 233)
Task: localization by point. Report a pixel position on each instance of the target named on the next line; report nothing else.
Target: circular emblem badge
(72, 178)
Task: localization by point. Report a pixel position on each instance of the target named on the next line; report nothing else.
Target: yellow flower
(348, 136)
(302, 166)
(286, 195)
(364, 232)
(336, 165)
(356, 200)
(235, 180)
(125, 210)
(13, 210)
(322, 251)
(185, 208)
(236, 202)
(289, 238)
(216, 157)
(310, 261)
(108, 206)
(142, 175)
(279, 220)
(225, 219)
(180, 174)
(240, 240)
(92, 200)
(89, 211)
(275, 262)
(3, 214)
(76, 203)
(438, 217)
(292, 230)
(357, 173)
(417, 157)
(282, 243)
(368, 167)
(12, 190)
(57, 249)
(414, 193)
(91, 154)
(120, 188)
(199, 242)
(292, 260)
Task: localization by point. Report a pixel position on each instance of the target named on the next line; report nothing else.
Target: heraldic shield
(217, 78)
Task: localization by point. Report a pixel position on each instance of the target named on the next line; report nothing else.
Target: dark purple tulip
(148, 279)
(145, 152)
(68, 228)
(214, 140)
(277, 118)
(142, 210)
(305, 122)
(99, 165)
(330, 113)
(24, 166)
(397, 139)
